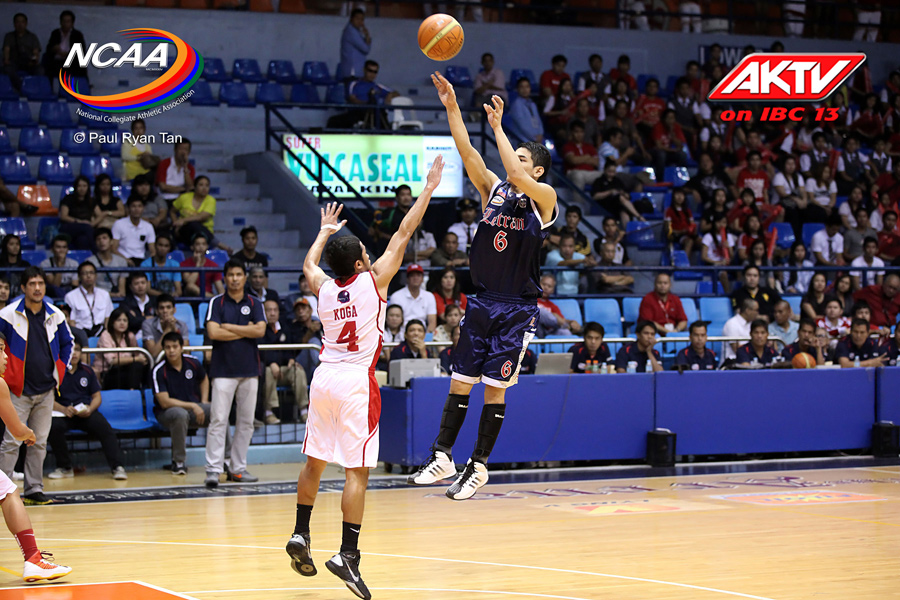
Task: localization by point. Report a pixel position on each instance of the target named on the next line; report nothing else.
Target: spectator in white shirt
(827, 244)
(175, 175)
(739, 326)
(414, 300)
(863, 279)
(133, 236)
(91, 305)
(466, 228)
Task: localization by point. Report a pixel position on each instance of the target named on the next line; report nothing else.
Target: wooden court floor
(829, 534)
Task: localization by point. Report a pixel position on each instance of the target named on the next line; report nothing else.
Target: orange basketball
(441, 37)
(802, 360)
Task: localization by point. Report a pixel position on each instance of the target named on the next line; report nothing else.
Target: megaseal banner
(376, 164)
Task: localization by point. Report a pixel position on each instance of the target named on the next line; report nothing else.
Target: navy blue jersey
(747, 354)
(506, 250)
(689, 358)
(582, 360)
(870, 349)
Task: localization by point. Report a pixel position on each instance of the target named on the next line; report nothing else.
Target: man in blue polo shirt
(806, 342)
(697, 357)
(858, 346)
(757, 351)
(641, 352)
(591, 355)
(234, 323)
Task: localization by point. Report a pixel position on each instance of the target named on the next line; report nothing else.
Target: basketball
(441, 37)
(803, 360)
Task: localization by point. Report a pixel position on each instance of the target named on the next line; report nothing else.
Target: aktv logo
(172, 83)
(797, 77)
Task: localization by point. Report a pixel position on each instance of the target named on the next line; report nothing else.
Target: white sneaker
(120, 474)
(18, 476)
(474, 476)
(61, 474)
(439, 466)
(40, 568)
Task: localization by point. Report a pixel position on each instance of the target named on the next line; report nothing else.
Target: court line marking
(11, 572)
(59, 584)
(435, 559)
(384, 589)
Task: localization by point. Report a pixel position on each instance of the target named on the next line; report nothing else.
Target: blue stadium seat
(785, 234)
(690, 310)
(631, 307)
(570, 309)
(68, 144)
(176, 255)
(336, 94)
(247, 70)
(282, 71)
(642, 82)
(148, 409)
(185, 312)
(809, 230)
(55, 168)
(203, 95)
(196, 340)
(79, 256)
(517, 74)
(16, 225)
(220, 257)
(79, 84)
(269, 92)
(678, 176)
(7, 91)
(716, 309)
(124, 409)
(557, 348)
(16, 113)
(795, 302)
(316, 72)
(35, 141)
(112, 144)
(214, 69)
(606, 312)
(37, 88)
(655, 198)
(47, 229)
(202, 309)
(644, 235)
(838, 200)
(459, 76)
(34, 257)
(55, 114)
(6, 146)
(682, 267)
(14, 169)
(97, 122)
(94, 165)
(669, 90)
(234, 93)
(306, 93)
(706, 287)
(93, 341)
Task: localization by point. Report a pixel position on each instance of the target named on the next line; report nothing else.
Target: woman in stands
(193, 213)
(751, 234)
(108, 207)
(822, 191)
(855, 201)
(156, 210)
(76, 213)
(813, 305)
(11, 256)
(119, 370)
(718, 248)
(718, 206)
(797, 282)
(758, 255)
(843, 291)
(446, 290)
(451, 317)
(789, 190)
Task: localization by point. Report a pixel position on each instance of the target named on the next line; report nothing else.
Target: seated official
(892, 348)
(529, 363)
(642, 353)
(181, 391)
(414, 345)
(280, 367)
(446, 355)
(806, 342)
(80, 388)
(858, 346)
(591, 355)
(697, 357)
(757, 351)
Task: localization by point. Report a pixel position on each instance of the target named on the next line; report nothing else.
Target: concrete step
(264, 222)
(272, 239)
(285, 256)
(244, 206)
(234, 190)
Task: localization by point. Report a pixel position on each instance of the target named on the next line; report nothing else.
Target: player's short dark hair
(370, 63)
(651, 80)
(869, 240)
(642, 325)
(540, 156)
(412, 322)
(756, 324)
(753, 153)
(697, 325)
(134, 276)
(890, 212)
(836, 219)
(807, 321)
(485, 55)
(390, 306)
(60, 237)
(341, 254)
(623, 58)
(593, 326)
(172, 336)
(608, 219)
(859, 323)
(84, 265)
(831, 299)
(234, 263)
(30, 273)
(566, 235)
(67, 13)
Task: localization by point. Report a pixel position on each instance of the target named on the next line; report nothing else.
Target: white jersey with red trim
(352, 315)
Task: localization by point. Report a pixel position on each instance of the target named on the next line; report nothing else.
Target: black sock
(488, 428)
(452, 421)
(350, 539)
(304, 511)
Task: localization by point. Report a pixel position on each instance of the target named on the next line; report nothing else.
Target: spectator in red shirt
(747, 205)
(649, 108)
(869, 124)
(175, 175)
(682, 228)
(754, 177)
(623, 66)
(888, 239)
(888, 183)
(663, 308)
(551, 320)
(200, 283)
(580, 158)
(883, 300)
(754, 143)
(668, 144)
(551, 78)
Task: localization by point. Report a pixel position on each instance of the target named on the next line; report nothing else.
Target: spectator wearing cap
(384, 225)
(697, 357)
(592, 354)
(883, 300)
(566, 256)
(573, 219)
(449, 254)
(765, 296)
(248, 254)
(466, 227)
(642, 353)
(551, 319)
(414, 344)
(91, 305)
(133, 237)
(739, 326)
(61, 283)
(280, 367)
(304, 329)
(155, 328)
(663, 308)
(806, 342)
(858, 346)
(415, 301)
(162, 282)
(757, 351)
(201, 283)
(256, 285)
(783, 326)
(111, 281)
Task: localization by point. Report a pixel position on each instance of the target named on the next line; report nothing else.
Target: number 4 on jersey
(348, 336)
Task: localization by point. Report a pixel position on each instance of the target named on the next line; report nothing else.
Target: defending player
(344, 399)
(37, 564)
(501, 319)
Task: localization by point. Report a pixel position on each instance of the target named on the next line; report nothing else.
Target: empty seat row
(234, 93)
(54, 168)
(38, 88)
(55, 114)
(35, 140)
(281, 71)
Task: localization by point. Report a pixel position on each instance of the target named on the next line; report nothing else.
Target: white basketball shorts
(7, 486)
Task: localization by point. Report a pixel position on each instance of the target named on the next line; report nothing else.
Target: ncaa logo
(343, 297)
(497, 201)
(84, 382)
(189, 374)
(245, 310)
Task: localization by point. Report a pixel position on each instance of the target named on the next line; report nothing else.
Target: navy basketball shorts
(493, 337)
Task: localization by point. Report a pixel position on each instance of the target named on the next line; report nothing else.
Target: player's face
(528, 164)
(698, 338)
(235, 279)
(173, 350)
(759, 336)
(34, 289)
(366, 263)
(592, 341)
(859, 333)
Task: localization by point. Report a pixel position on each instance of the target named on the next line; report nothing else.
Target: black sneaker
(179, 469)
(301, 558)
(36, 499)
(345, 566)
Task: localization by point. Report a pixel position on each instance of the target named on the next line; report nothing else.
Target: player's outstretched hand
(330, 217)
(494, 111)
(445, 89)
(27, 437)
(434, 175)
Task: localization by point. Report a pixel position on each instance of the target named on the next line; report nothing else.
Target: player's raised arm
(544, 195)
(315, 276)
(386, 267)
(481, 177)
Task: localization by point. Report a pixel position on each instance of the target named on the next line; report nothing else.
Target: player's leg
(38, 565)
(345, 564)
(298, 547)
